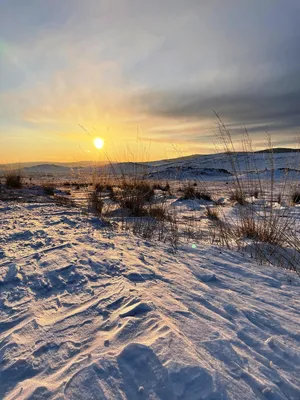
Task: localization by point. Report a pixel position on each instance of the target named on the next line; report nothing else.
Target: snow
(88, 312)
(211, 167)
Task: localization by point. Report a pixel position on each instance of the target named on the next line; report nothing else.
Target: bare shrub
(163, 188)
(253, 226)
(212, 213)
(159, 212)
(161, 229)
(255, 193)
(279, 198)
(262, 226)
(238, 196)
(14, 180)
(49, 190)
(295, 197)
(190, 193)
(134, 195)
(95, 202)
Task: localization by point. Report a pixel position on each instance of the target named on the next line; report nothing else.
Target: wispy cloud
(161, 66)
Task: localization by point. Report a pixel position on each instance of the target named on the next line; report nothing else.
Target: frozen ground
(88, 313)
(210, 167)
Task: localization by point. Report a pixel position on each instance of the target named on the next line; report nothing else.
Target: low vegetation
(212, 213)
(191, 193)
(95, 202)
(295, 197)
(49, 190)
(163, 188)
(253, 213)
(238, 196)
(14, 180)
(134, 195)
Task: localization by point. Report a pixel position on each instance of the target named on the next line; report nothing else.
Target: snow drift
(88, 313)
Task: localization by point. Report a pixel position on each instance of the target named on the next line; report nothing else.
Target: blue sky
(153, 70)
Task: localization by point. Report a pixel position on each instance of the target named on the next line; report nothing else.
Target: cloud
(160, 65)
(274, 104)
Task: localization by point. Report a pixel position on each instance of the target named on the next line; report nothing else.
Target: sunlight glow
(99, 143)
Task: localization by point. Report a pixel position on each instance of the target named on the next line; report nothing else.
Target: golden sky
(144, 76)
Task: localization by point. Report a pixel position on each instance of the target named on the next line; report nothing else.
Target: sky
(145, 76)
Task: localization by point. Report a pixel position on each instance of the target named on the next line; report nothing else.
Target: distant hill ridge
(276, 150)
(205, 166)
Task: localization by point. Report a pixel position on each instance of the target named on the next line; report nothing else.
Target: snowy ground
(91, 313)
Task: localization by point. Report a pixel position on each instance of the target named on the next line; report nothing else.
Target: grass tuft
(190, 193)
(295, 197)
(14, 180)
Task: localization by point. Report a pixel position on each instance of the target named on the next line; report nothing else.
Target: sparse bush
(271, 232)
(49, 190)
(251, 227)
(163, 188)
(14, 180)
(212, 213)
(164, 230)
(190, 193)
(144, 189)
(295, 197)
(159, 212)
(134, 196)
(135, 205)
(279, 198)
(238, 196)
(254, 193)
(95, 202)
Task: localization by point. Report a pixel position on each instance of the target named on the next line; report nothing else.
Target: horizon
(33, 163)
(145, 77)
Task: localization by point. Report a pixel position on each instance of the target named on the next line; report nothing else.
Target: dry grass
(255, 193)
(160, 229)
(134, 195)
(13, 180)
(160, 212)
(238, 196)
(295, 197)
(95, 202)
(49, 189)
(212, 213)
(261, 226)
(190, 193)
(163, 188)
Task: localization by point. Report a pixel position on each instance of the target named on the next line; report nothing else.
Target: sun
(99, 143)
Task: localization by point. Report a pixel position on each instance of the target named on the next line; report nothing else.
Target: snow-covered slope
(47, 169)
(219, 163)
(211, 166)
(88, 313)
(189, 173)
